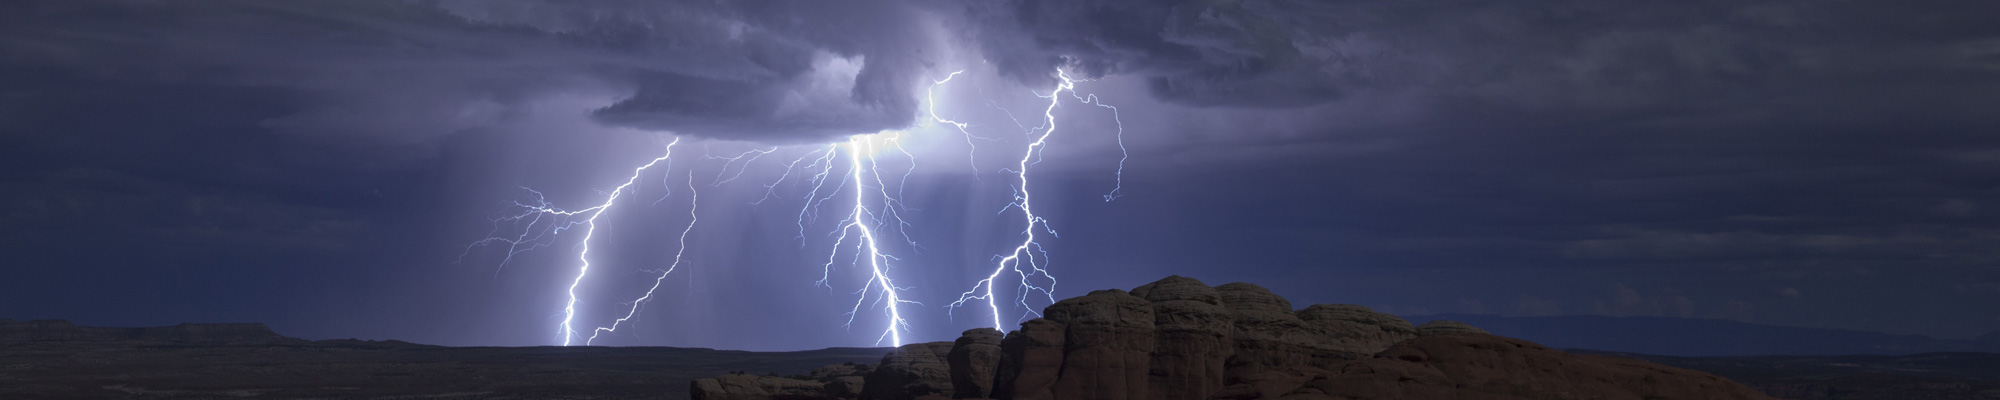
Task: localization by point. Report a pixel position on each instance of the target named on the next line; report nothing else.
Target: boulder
(974, 359)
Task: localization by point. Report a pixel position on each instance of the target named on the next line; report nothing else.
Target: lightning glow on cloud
(877, 210)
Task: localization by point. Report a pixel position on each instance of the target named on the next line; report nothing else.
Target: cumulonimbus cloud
(407, 70)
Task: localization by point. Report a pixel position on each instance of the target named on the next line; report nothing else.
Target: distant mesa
(65, 333)
(1179, 338)
(55, 330)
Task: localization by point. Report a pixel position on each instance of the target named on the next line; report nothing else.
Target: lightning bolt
(877, 210)
(559, 220)
(590, 229)
(693, 202)
(1029, 248)
(859, 221)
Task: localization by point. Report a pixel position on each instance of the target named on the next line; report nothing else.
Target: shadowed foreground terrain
(58, 360)
(1176, 338)
(1930, 376)
(1697, 337)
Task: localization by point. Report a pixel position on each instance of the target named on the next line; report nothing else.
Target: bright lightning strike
(1026, 252)
(865, 223)
(877, 210)
(559, 220)
(693, 202)
(590, 228)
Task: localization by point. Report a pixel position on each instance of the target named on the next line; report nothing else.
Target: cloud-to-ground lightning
(694, 202)
(877, 210)
(1026, 251)
(859, 220)
(561, 219)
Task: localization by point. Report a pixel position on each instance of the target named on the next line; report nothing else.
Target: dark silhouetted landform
(1173, 339)
(48, 359)
(1179, 338)
(1929, 376)
(50, 330)
(1689, 337)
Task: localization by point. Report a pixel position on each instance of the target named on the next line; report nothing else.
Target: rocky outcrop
(842, 381)
(1355, 331)
(1107, 345)
(1030, 359)
(1265, 332)
(838, 381)
(1191, 333)
(1179, 338)
(913, 370)
(974, 360)
(1446, 327)
(754, 387)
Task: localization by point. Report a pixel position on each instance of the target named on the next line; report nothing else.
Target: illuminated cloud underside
(876, 210)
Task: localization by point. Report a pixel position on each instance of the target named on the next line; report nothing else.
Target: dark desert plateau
(1173, 339)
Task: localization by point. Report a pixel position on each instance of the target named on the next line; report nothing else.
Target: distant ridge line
(56, 330)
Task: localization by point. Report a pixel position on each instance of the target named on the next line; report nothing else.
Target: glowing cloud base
(876, 211)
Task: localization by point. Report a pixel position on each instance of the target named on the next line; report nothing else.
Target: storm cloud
(313, 163)
(1576, 60)
(408, 71)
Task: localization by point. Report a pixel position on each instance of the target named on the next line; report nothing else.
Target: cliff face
(1181, 339)
(64, 331)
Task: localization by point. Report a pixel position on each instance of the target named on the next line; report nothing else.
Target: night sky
(322, 166)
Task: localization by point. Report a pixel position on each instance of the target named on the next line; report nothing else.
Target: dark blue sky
(320, 166)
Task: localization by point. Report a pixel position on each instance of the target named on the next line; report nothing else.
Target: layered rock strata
(1179, 338)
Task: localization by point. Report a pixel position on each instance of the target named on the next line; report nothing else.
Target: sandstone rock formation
(1030, 359)
(1446, 327)
(974, 360)
(1191, 338)
(1179, 338)
(838, 381)
(843, 381)
(1355, 331)
(754, 387)
(910, 371)
(1107, 345)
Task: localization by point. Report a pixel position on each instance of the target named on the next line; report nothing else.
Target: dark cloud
(792, 70)
(1544, 57)
(417, 70)
(314, 163)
